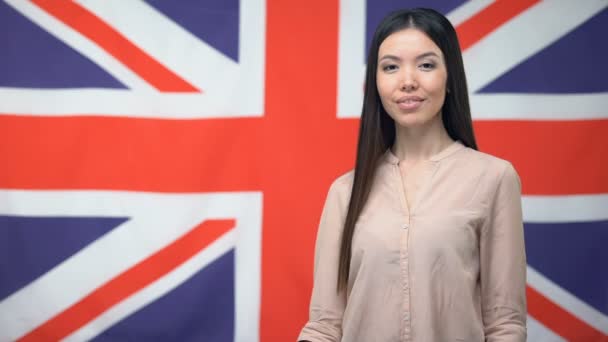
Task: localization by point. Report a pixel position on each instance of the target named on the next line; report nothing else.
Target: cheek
(436, 96)
(437, 85)
(437, 99)
(440, 90)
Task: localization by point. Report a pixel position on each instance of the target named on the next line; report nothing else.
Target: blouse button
(405, 226)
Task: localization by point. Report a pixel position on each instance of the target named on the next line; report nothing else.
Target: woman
(423, 241)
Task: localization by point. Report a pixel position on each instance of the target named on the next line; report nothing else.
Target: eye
(389, 67)
(427, 66)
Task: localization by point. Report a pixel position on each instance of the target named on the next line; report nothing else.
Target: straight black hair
(377, 128)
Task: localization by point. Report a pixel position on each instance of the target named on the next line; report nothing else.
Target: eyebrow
(421, 56)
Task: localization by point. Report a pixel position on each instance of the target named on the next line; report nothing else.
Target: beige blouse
(453, 268)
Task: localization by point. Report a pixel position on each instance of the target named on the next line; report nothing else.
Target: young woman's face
(411, 78)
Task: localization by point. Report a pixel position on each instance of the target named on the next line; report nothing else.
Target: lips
(409, 103)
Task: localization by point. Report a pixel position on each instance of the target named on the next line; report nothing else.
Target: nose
(408, 82)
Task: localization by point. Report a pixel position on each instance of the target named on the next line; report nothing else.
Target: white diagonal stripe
(567, 301)
(524, 36)
(155, 290)
(223, 81)
(81, 44)
(537, 332)
(467, 10)
(167, 42)
(155, 221)
(191, 58)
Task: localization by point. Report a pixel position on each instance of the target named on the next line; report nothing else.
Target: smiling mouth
(410, 104)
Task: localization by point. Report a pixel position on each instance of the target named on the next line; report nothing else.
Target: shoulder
(340, 190)
(344, 183)
(338, 196)
(495, 175)
(488, 166)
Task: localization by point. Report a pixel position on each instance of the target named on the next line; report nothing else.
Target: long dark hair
(377, 129)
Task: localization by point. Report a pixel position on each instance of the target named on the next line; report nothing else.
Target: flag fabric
(165, 163)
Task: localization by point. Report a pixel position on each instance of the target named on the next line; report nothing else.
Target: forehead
(408, 42)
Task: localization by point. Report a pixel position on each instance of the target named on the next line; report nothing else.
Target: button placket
(404, 264)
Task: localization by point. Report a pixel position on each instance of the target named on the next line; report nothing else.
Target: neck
(413, 144)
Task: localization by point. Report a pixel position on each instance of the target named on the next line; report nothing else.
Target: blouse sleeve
(503, 264)
(326, 305)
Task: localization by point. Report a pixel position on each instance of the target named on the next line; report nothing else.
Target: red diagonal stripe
(129, 282)
(92, 27)
(490, 18)
(561, 321)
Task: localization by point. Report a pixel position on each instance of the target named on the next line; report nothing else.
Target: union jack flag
(165, 163)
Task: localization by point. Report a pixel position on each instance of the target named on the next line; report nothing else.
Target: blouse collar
(391, 158)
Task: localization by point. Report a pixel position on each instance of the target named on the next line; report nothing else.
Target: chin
(411, 120)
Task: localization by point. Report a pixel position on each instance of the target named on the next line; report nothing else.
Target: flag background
(165, 164)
